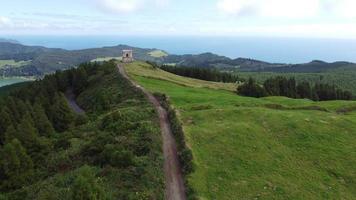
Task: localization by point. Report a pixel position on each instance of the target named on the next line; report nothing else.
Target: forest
(47, 151)
(202, 73)
(288, 87)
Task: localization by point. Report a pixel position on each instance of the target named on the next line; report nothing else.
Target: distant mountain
(315, 66)
(42, 60)
(209, 60)
(9, 40)
(47, 60)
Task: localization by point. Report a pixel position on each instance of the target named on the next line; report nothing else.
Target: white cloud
(343, 8)
(288, 8)
(122, 6)
(128, 6)
(4, 20)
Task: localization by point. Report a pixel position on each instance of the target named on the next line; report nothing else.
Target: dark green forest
(343, 78)
(47, 151)
(288, 87)
(202, 73)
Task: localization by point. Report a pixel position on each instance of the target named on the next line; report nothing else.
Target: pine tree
(27, 133)
(80, 80)
(5, 122)
(15, 165)
(41, 121)
(61, 115)
(10, 134)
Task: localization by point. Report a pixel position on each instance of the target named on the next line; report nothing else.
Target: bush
(86, 186)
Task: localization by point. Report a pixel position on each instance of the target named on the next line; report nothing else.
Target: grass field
(145, 70)
(106, 59)
(269, 148)
(157, 53)
(12, 80)
(13, 63)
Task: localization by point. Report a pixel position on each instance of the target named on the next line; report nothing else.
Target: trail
(174, 179)
(72, 103)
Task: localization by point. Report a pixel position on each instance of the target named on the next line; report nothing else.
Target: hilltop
(266, 148)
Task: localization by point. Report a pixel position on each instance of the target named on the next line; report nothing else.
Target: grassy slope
(243, 149)
(144, 69)
(157, 53)
(12, 63)
(105, 59)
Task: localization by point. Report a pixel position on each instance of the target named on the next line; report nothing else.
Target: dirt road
(72, 103)
(175, 189)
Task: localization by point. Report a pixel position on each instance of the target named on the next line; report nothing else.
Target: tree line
(202, 73)
(288, 87)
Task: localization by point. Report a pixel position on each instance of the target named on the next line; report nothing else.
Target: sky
(280, 18)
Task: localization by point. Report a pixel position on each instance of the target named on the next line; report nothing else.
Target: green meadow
(13, 63)
(157, 53)
(12, 80)
(268, 148)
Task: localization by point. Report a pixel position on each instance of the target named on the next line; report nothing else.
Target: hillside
(37, 61)
(47, 151)
(21, 60)
(268, 148)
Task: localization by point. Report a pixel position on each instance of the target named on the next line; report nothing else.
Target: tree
(304, 90)
(80, 80)
(86, 186)
(251, 89)
(27, 133)
(61, 115)
(5, 122)
(41, 121)
(16, 166)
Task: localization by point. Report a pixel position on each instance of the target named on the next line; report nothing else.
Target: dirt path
(72, 103)
(174, 179)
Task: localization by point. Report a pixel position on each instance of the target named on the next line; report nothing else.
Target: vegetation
(148, 70)
(261, 148)
(13, 80)
(158, 53)
(49, 152)
(343, 78)
(202, 74)
(13, 63)
(40, 61)
(281, 86)
(105, 59)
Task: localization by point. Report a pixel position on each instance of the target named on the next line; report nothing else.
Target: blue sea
(271, 49)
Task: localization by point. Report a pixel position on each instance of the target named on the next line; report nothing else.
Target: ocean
(277, 50)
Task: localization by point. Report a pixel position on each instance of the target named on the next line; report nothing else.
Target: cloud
(129, 6)
(4, 20)
(288, 8)
(121, 6)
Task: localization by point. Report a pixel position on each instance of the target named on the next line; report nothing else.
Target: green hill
(268, 148)
(47, 151)
(22, 60)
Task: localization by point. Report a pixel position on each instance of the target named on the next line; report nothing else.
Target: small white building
(127, 56)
